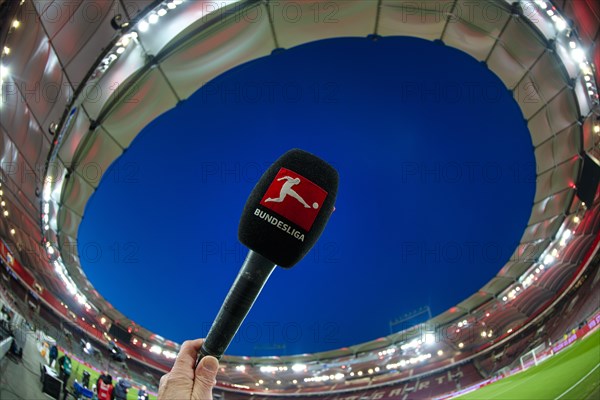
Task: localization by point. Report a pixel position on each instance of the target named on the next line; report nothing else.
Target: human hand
(186, 383)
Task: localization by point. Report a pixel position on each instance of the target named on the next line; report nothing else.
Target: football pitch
(573, 374)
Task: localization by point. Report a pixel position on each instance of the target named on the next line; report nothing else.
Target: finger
(180, 380)
(206, 378)
(186, 359)
(162, 386)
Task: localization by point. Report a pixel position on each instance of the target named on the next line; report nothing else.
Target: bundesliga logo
(295, 198)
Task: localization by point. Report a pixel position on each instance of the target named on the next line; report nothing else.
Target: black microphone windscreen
(289, 207)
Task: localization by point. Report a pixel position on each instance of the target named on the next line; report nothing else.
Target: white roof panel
(508, 69)
(77, 192)
(298, 22)
(405, 18)
(469, 39)
(127, 119)
(98, 154)
(221, 49)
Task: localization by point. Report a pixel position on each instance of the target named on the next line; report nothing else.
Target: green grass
(561, 376)
(77, 373)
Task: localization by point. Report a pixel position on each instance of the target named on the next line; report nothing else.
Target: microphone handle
(247, 286)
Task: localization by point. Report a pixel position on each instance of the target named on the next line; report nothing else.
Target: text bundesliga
(279, 224)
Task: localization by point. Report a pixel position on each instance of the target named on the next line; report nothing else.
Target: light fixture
(12, 231)
(429, 338)
(153, 18)
(118, 22)
(169, 354)
(3, 72)
(120, 50)
(6, 50)
(162, 12)
(585, 68)
(298, 367)
(143, 26)
(52, 128)
(578, 55)
(171, 5)
(561, 25)
(155, 349)
(16, 24)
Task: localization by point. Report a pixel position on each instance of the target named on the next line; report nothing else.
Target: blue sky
(437, 178)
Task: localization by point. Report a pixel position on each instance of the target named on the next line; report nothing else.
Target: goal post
(534, 356)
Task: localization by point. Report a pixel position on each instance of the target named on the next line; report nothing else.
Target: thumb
(206, 378)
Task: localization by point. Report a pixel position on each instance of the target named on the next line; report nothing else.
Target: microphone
(282, 220)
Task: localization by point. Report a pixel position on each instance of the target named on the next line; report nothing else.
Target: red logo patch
(294, 197)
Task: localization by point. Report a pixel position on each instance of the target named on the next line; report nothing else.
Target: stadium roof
(91, 75)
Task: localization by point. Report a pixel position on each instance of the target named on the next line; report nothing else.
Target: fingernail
(210, 364)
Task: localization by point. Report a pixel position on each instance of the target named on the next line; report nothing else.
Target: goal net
(534, 356)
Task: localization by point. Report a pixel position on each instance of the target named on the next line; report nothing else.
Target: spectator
(103, 375)
(64, 368)
(85, 379)
(142, 393)
(104, 387)
(64, 372)
(121, 389)
(53, 355)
